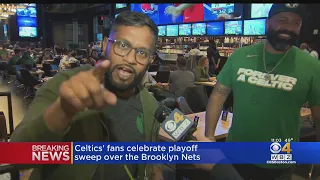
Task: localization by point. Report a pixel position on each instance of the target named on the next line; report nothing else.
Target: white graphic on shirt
(277, 81)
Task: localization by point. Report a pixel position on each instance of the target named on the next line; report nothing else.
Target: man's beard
(114, 87)
(278, 43)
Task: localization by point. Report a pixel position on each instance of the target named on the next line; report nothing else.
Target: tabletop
(211, 84)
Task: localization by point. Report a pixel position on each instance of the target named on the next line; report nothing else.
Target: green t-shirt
(266, 111)
(4, 53)
(12, 62)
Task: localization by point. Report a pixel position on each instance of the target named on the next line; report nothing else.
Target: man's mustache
(290, 33)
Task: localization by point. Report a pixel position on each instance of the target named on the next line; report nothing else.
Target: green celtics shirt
(266, 110)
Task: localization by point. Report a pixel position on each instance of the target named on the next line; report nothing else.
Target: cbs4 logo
(276, 148)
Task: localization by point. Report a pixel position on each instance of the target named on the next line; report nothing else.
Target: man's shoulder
(305, 58)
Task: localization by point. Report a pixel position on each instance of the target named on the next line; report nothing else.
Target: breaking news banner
(160, 153)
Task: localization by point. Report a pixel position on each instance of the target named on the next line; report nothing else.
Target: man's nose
(131, 57)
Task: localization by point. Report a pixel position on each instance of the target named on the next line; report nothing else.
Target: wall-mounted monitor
(215, 28)
(184, 29)
(27, 21)
(120, 5)
(99, 37)
(27, 12)
(259, 10)
(233, 27)
(199, 29)
(172, 30)
(162, 30)
(189, 13)
(254, 27)
(5, 30)
(150, 9)
(28, 32)
(219, 11)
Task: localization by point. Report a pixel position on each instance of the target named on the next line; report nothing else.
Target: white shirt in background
(194, 52)
(306, 51)
(314, 53)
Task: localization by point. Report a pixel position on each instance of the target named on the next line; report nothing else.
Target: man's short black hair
(181, 62)
(194, 46)
(16, 51)
(72, 53)
(136, 19)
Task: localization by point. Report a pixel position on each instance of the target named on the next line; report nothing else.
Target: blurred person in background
(27, 61)
(304, 47)
(202, 70)
(16, 45)
(148, 81)
(4, 54)
(56, 48)
(104, 103)
(13, 61)
(313, 52)
(213, 56)
(181, 78)
(195, 50)
(65, 62)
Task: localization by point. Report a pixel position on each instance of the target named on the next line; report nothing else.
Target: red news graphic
(36, 153)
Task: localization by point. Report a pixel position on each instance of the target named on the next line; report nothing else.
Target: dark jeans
(252, 172)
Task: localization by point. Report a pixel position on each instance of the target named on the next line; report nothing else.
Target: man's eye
(123, 45)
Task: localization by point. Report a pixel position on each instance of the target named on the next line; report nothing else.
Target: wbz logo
(276, 148)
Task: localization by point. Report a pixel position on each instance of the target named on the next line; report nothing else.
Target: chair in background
(183, 105)
(74, 65)
(11, 169)
(3, 128)
(153, 68)
(54, 67)
(197, 98)
(162, 76)
(30, 83)
(47, 69)
(164, 68)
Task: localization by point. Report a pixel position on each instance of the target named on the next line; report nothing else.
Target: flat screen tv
(260, 10)
(120, 5)
(150, 9)
(254, 27)
(199, 29)
(28, 32)
(220, 11)
(27, 21)
(184, 29)
(99, 37)
(162, 30)
(233, 27)
(172, 30)
(215, 28)
(170, 13)
(5, 30)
